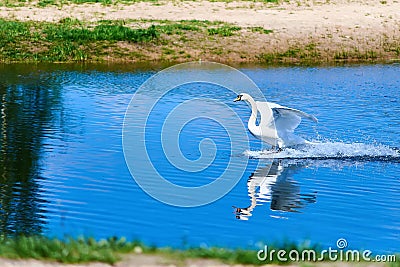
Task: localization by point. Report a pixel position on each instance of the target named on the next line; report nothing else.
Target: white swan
(277, 122)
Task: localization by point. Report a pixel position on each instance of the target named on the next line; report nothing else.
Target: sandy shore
(335, 27)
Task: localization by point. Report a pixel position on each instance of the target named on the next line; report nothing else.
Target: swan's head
(243, 97)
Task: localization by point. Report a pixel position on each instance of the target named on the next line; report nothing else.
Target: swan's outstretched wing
(286, 110)
(290, 115)
(288, 118)
(279, 122)
(285, 121)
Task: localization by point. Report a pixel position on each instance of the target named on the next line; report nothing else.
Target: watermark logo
(341, 243)
(331, 254)
(138, 136)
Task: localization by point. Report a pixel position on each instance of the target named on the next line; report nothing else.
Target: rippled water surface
(63, 170)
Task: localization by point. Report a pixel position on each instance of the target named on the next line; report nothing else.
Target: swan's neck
(254, 129)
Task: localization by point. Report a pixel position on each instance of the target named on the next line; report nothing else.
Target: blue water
(67, 122)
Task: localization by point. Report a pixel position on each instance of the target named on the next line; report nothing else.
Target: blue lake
(63, 170)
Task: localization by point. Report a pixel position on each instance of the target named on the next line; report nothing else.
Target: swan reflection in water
(274, 184)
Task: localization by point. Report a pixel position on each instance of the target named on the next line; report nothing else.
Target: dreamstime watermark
(139, 135)
(339, 253)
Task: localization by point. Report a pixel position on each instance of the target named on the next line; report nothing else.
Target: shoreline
(148, 260)
(88, 252)
(301, 32)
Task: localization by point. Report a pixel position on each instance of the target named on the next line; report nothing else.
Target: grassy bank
(68, 40)
(112, 250)
(134, 40)
(71, 40)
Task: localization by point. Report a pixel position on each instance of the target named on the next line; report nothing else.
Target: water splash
(330, 150)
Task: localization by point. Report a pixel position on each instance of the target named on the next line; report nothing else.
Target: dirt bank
(297, 30)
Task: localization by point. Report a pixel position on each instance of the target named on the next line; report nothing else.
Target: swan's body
(277, 123)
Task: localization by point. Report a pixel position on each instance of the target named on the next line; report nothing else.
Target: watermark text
(340, 253)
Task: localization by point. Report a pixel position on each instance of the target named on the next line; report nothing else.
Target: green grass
(171, 27)
(177, 28)
(356, 55)
(72, 30)
(225, 30)
(236, 256)
(66, 251)
(396, 263)
(102, 32)
(74, 40)
(13, 3)
(43, 3)
(68, 40)
(104, 2)
(305, 54)
(112, 249)
(260, 30)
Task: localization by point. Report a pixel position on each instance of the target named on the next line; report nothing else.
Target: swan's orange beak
(238, 98)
